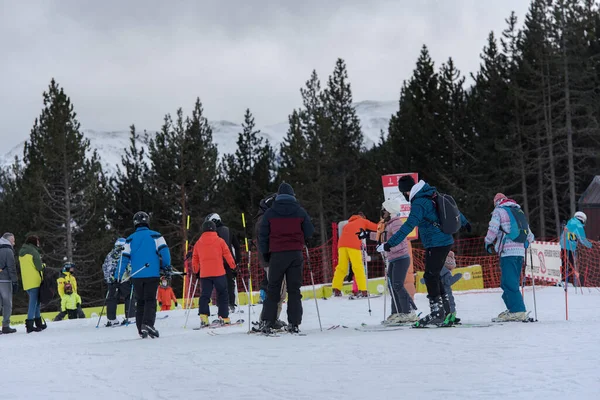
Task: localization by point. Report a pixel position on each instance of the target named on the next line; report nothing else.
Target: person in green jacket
(31, 275)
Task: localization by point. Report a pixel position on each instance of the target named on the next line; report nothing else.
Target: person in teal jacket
(572, 235)
(437, 244)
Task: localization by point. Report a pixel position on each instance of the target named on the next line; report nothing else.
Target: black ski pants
(288, 265)
(116, 291)
(219, 283)
(145, 296)
(435, 258)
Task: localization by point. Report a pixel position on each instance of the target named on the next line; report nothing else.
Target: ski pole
(128, 311)
(248, 294)
(135, 273)
(191, 303)
(103, 305)
(312, 279)
(364, 251)
(533, 282)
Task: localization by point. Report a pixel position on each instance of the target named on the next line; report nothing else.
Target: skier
(234, 246)
(8, 279)
(114, 274)
(70, 302)
(509, 235)
(264, 205)
(283, 232)
(350, 249)
(437, 244)
(209, 252)
(573, 234)
(68, 277)
(148, 253)
(165, 294)
(399, 263)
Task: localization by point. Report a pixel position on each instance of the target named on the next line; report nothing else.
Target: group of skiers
(508, 236)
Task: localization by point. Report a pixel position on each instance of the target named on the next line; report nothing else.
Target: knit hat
(286, 188)
(450, 261)
(209, 226)
(498, 197)
(406, 183)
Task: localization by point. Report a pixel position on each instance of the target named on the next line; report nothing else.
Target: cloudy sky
(125, 62)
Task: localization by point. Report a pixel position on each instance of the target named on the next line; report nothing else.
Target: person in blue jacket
(573, 234)
(148, 254)
(437, 245)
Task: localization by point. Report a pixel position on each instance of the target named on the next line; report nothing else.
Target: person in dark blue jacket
(148, 254)
(437, 244)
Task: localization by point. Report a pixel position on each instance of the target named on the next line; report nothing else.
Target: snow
(550, 359)
(111, 146)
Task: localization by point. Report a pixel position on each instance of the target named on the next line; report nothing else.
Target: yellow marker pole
(249, 260)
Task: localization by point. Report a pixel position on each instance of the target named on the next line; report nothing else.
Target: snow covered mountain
(374, 117)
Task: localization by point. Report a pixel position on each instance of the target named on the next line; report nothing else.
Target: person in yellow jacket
(68, 277)
(30, 263)
(70, 302)
(349, 249)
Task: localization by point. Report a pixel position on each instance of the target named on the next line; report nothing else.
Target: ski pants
(282, 294)
(286, 265)
(435, 258)
(397, 275)
(78, 313)
(116, 291)
(220, 284)
(230, 285)
(509, 282)
(355, 257)
(145, 296)
(6, 299)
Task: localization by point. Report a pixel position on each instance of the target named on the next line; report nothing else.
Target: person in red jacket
(207, 263)
(165, 294)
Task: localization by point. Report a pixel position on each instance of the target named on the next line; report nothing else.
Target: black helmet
(209, 226)
(141, 219)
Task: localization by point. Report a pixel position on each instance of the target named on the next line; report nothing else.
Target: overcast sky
(125, 62)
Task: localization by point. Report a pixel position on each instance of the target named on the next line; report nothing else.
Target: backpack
(49, 287)
(448, 213)
(519, 227)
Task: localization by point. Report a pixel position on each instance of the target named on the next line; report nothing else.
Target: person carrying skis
(572, 235)
(398, 264)
(283, 233)
(350, 249)
(165, 294)
(68, 277)
(509, 235)
(207, 262)
(118, 287)
(437, 243)
(234, 247)
(148, 254)
(264, 205)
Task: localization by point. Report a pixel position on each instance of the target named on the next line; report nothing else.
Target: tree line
(526, 124)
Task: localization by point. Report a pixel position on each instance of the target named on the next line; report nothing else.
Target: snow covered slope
(550, 359)
(374, 117)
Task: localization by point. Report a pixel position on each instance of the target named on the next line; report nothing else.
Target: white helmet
(214, 217)
(581, 216)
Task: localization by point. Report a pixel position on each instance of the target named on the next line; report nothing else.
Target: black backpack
(49, 287)
(448, 213)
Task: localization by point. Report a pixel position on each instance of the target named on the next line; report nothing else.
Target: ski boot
(266, 327)
(292, 328)
(337, 293)
(279, 325)
(204, 320)
(225, 321)
(436, 315)
(113, 322)
(232, 308)
(150, 331)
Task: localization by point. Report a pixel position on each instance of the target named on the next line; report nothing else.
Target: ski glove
(267, 257)
(490, 248)
(363, 234)
(159, 304)
(176, 305)
(384, 247)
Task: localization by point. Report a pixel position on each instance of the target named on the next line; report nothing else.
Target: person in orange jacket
(207, 263)
(350, 249)
(165, 294)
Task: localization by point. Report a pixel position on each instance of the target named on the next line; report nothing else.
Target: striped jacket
(498, 226)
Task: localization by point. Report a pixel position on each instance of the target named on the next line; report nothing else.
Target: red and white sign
(390, 191)
(546, 261)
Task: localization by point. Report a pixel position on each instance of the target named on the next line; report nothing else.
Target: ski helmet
(209, 226)
(68, 267)
(141, 219)
(581, 216)
(214, 217)
(164, 282)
